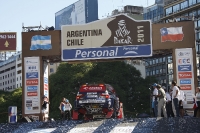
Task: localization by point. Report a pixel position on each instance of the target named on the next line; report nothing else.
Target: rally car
(95, 101)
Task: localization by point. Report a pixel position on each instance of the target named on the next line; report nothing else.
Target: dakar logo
(122, 34)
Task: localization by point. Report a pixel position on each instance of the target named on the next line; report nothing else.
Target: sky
(31, 12)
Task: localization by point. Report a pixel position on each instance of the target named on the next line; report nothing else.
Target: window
(3, 77)
(13, 73)
(17, 78)
(160, 60)
(8, 75)
(168, 11)
(13, 80)
(17, 85)
(13, 86)
(51, 70)
(0, 84)
(20, 84)
(156, 61)
(20, 77)
(176, 8)
(153, 61)
(192, 2)
(51, 63)
(184, 5)
(3, 83)
(8, 81)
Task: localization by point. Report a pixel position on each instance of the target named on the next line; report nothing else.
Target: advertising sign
(119, 36)
(81, 12)
(46, 85)
(32, 85)
(8, 41)
(185, 74)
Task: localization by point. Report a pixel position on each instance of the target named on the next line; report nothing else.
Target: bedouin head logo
(122, 34)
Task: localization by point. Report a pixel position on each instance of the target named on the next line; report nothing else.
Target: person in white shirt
(68, 108)
(181, 101)
(197, 98)
(175, 96)
(168, 103)
(154, 100)
(161, 101)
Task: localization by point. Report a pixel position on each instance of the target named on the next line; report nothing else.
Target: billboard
(185, 74)
(173, 35)
(32, 85)
(46, 84)
(119, 36)
(8, 41)
(81, 12)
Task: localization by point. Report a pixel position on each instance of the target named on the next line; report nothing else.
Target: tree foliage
(131, 88)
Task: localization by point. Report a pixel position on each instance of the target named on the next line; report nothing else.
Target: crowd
(171, 103)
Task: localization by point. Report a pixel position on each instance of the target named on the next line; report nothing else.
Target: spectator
(161, 101)
(181, 101)
(62, 108)
(68, 108)
(197, 99)
(154, 100)
(175, 95)
(168, 103)
(44, 108)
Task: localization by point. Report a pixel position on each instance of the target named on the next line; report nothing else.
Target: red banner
(8, 41)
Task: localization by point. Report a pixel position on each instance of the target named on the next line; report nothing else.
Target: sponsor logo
(28, 105)
(185, 81)
(184, 61)
(31, 62)
(32, 88)
(35, 108)
(186, 87)
(184, 67)
(28, 101)
(92, 88)
(45, 86)
(31, 93)
(107, 52)
(32, 82)
(46, 93)
(182, 75)
(184, 54)
(122, 34)
(31, 75)
(45, 80)
(32, 68)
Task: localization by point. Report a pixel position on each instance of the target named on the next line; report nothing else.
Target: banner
(32, 85)
(119, 36)
(46, 83)
(185, 74)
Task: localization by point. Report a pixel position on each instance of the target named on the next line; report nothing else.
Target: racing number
(140, 34)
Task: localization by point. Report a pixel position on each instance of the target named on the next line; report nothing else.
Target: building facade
(184, 10)
(11, 73)
(173, 11)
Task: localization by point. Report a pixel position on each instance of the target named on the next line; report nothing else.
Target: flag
(171, 34)
(41, 42)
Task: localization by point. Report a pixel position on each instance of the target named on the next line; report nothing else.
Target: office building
(162, 67)
(11, 72)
